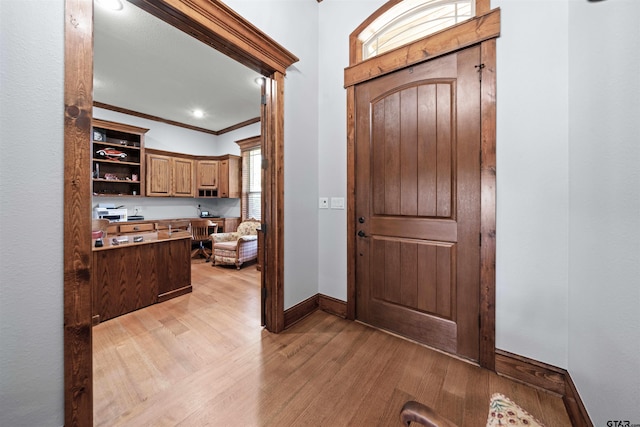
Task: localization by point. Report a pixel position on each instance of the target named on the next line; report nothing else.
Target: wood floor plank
(202, 359)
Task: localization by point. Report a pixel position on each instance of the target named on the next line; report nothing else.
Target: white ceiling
(145, 65)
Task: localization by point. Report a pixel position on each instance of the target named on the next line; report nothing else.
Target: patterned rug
(504, 412)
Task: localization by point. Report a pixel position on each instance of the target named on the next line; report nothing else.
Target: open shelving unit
(118, 165)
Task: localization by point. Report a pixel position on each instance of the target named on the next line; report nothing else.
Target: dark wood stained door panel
(418, 204)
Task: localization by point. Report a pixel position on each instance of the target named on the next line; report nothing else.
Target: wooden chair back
(202, 228)
(173, 228)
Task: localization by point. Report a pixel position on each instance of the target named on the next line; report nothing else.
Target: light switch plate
(323, 203)
(337, 203)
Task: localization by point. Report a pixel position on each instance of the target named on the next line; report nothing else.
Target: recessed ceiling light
(110, 4)
(198, 114)
(259, 81)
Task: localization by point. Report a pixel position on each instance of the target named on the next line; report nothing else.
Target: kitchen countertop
(147, 238)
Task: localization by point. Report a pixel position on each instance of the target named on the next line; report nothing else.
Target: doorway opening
(257, 51)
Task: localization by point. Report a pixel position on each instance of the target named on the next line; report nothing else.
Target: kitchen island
(147, 268)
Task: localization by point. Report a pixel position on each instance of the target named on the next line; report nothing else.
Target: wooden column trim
(488, 205)
(273, 212)
(219, 26)
(78, 89)
(351, 204)
(277, 203)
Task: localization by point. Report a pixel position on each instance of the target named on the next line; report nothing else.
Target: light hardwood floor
(202, 359)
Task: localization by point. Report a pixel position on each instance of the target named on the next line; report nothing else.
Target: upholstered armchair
(237, 247)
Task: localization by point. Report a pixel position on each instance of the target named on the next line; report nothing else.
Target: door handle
(361, 234)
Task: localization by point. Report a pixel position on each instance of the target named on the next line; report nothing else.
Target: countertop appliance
(112, 214)
(207, 214)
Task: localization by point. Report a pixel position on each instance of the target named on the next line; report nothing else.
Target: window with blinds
(251, 183)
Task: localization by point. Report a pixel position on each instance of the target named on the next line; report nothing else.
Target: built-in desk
(225, 224)
(142, 263)
(129, 276)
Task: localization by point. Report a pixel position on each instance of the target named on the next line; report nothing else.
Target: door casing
(482, 30)
(215, 24)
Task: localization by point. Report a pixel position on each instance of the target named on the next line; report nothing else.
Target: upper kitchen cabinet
(230, 177)
(182, 175)
(207, 173)
(219, 177)
(117, 158)
(169, 176)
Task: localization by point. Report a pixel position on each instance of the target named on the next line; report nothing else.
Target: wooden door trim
(273, 201)
(220, 27)
(484, 30)
(487, 356)
(217, 25)
(78, 89)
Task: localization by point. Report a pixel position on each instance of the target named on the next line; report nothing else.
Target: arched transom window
(410, 20)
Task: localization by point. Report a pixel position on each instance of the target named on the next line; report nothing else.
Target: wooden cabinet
(207, 174)
(158, 175)
(126, 278)
(230, 177)
(231, 224)
(137, 228)
(121, 281)
(169, 176)
(183, 177)
(174, 274)
(221, 177)
(226, 225)
(117, 159)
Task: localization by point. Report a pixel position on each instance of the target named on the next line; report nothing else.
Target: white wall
(532, 180)
(604, 234)
(294, 25)
(338, 18)
(163, 136)
(31, 206)
(568, 207)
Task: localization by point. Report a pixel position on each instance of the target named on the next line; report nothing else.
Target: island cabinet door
(174, 268)
(122, 281)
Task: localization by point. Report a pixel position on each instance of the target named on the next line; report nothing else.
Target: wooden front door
(417, 202)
